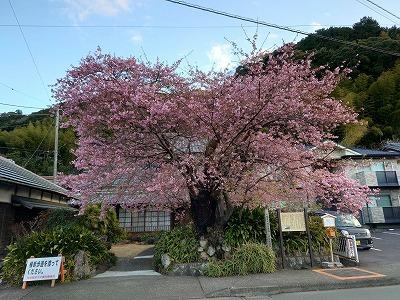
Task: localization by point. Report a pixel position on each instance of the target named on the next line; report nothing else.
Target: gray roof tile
(394, 146)
(375, 153)
(11, 172)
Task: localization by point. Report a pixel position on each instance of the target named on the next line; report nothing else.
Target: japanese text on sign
(44, 268)
(293, 221)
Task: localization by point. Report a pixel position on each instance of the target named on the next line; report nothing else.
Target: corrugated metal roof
(11, 172)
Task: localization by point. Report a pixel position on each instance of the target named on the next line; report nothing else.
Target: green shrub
(297, 242)
(249, 226)
(249, 258)
(61, 218)
(65, 240)
(245, 226)
(106, 227)
(180, 244)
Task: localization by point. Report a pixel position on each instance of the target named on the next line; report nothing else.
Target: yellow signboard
(293, 221)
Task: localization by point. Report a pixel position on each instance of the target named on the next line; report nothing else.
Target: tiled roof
(375, 153)
(11, 172)
(393, 146)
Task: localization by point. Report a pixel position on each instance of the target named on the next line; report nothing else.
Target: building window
(149, 220)
(125, 219)
(380, 201)
(386, 178)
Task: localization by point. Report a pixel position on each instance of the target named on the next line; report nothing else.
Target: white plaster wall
(6, 190)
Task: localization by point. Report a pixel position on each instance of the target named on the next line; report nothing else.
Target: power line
(21, 106)
(378, 12)
(160, 26)
(37, 148)
(246, 19)
(389, 12)
(18, 91)
(25, 150)
(29, 49)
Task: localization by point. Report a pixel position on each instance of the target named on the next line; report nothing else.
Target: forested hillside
(29, 141)
(373, 89)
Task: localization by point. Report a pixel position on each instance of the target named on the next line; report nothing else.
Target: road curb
(274, 290)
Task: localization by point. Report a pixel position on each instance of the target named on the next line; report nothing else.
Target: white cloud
(80, 10)
(316, 26)
(137, 38)
(220, 56)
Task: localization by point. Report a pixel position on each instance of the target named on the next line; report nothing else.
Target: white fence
(345, 246)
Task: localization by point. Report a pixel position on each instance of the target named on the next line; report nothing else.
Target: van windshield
(347, 220)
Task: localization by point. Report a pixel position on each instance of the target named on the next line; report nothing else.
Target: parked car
(349, 225)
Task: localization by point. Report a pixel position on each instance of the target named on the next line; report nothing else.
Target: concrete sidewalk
(167, 287)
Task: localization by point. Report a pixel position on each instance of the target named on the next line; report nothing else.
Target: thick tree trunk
(209, 210)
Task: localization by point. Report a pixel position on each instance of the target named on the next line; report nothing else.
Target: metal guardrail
(345, 246)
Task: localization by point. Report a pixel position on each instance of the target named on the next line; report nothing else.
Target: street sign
(328, 220)
(43, 268)
(293, 221)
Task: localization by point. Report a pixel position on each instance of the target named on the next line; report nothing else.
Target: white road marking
(376, 238)
(393, 233)
(127, 273)
(376, 249)
(391, 229)
(144, 256)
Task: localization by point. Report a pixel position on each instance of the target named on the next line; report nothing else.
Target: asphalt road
(386, 250)
(374, 293)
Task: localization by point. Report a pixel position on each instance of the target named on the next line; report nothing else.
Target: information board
(43, 268)
(293, 221)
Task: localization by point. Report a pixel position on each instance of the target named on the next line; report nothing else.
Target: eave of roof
(371, 153)
(11, 172)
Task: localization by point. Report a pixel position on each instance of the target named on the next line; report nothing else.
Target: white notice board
(293, 221)
(44, 268)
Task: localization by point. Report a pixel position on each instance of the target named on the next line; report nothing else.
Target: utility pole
(56, 145)
(267, 228)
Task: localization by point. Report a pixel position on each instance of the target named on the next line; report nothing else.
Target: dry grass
(128, 250)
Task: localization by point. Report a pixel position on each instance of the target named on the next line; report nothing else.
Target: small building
(379, 169)
(23, 195)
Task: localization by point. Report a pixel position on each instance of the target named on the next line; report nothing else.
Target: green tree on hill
(373, 87)
(32, 145)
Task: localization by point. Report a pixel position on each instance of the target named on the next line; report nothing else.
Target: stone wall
(291, 262)
(303, 262)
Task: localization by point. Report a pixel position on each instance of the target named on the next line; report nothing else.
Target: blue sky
(163, 30)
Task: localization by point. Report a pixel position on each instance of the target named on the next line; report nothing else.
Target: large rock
(165, 260)
(211, 251)
(82, 268)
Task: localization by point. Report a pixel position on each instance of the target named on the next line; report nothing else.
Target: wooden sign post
(330, 224)
(44, 268)
(293, 221)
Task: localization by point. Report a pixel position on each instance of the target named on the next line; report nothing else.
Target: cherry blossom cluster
(148, 136)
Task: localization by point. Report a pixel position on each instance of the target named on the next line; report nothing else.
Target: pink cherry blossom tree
(149, 137)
